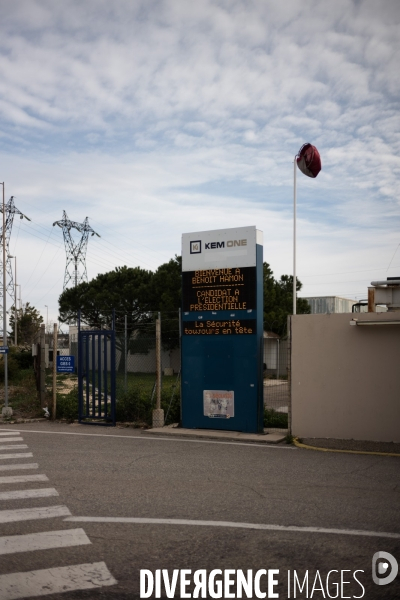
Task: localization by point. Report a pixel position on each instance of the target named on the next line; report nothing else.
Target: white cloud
(165, 116)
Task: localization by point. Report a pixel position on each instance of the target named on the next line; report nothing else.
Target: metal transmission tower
(75, 268)
(11, 210)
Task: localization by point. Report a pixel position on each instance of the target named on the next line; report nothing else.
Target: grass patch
(272, 418)
(23, 396)
(135, 405)
(67, 406)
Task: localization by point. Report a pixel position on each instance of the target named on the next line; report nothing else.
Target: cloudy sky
(158, 117)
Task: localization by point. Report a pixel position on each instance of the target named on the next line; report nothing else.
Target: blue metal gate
(96, 375)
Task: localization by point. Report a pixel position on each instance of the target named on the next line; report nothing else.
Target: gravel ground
(360, 445)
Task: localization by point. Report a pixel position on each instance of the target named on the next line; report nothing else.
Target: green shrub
(24, 359)
(272, 418)
(173, 403)
(12, 368)
(136, 405)
(67, 406)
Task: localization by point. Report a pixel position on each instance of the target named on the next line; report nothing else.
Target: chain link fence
(136, 364)
(276, 383)
(136, 381)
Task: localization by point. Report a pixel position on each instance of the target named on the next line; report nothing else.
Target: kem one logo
(229, 244)
(195, 246)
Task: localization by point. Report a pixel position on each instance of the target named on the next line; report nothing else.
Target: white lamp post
(309, 162)
(7, 410)
(15, 300)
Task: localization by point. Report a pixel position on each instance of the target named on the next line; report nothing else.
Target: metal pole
(15, 300)
(15, 305)
(7, 411)
(277, 358)
(180, 360)
(55, 344)
(294, 234)
(126, 352)
(158, 359)
(42, 365)
(158, 412)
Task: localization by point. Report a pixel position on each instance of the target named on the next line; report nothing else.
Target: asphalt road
(122, 473)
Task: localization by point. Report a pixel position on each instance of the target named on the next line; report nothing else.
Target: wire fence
(136, 366)
(276, 383)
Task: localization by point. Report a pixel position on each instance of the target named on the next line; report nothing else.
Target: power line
(11, 210)
(393, 257)
(75, 268)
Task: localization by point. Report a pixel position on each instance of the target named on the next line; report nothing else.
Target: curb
(20, 421)
(264, 439)
(306, 447)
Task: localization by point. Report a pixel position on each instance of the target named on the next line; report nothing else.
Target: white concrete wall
(346, 379)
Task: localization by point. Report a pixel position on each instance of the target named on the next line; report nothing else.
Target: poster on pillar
(222, 329)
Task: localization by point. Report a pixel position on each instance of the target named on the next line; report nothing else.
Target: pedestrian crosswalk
(19, 455)
(19, 467)
(55, 581)
(43, 540)
(29, 514)
(39, 493)
(22, 478)
(45, 581)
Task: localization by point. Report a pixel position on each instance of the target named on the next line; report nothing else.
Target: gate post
(42, 389)
(55, 343)
(158, 413)
(80, 374)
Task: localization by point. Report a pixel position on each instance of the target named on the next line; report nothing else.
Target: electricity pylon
(11, 211)
(75, 268)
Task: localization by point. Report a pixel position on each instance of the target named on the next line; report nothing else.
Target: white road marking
(12, 432)
(19, 455)
(165, 439)
(44, 540)
(15, 495)
(45, 581)
(261, 526)
(23, 478)
(55, 581)
(18, 467)
(28, 514)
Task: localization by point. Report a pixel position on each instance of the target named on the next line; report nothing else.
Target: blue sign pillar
(222, 330)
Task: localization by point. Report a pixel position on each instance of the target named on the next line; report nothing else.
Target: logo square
(195, 247)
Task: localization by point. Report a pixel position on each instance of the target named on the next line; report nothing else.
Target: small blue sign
(3, 349)
(65, 364)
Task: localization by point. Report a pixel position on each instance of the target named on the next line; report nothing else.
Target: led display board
(219, 289)
(222, 332)
(221, 327)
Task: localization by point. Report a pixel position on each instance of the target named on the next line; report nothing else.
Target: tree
(28, 323)
(278, 300)
(141, 294)
(125, 289)
(164, 297)
(166, 291)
